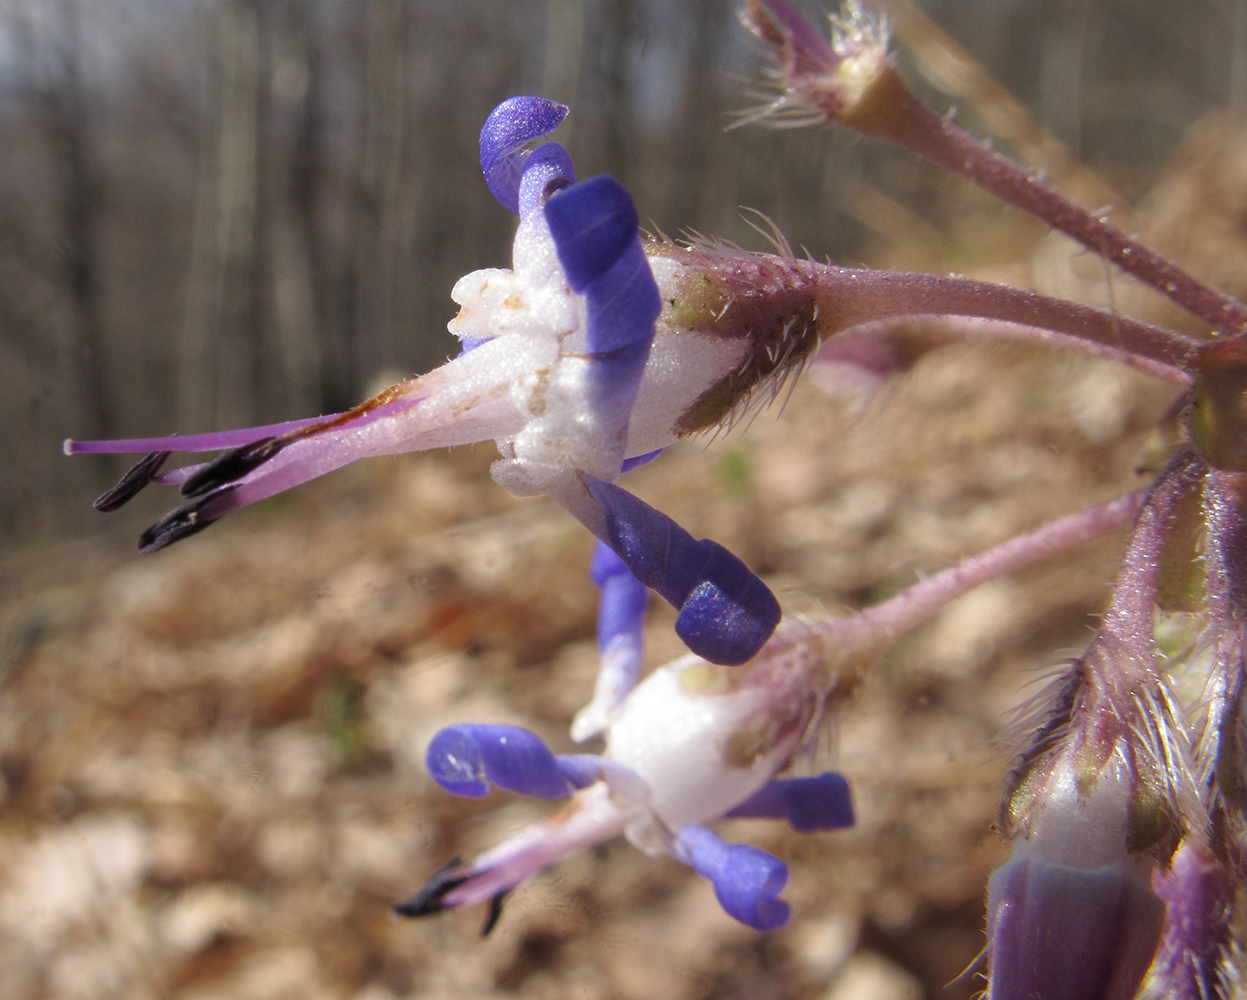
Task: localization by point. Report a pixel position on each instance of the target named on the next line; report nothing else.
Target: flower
(692, 744)
(562, 366)
(593, 353)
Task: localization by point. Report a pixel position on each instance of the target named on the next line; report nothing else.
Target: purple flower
(557, 353)
(692, 744)
(1100, 798)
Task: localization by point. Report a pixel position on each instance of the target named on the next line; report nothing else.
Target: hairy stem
(849, 297)
(955, 329)
(891, 111)
(877, 627)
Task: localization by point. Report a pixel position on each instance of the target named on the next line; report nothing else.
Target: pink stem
(1131, 610)
(883, 624)
(895, 114)
(850, 296)
(949, 329)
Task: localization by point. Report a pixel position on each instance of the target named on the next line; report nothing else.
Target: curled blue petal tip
(509, 126)
(592, 223)
(726, 611)
(819, 803)
(747, 880)
(467, 759)
(623, 302)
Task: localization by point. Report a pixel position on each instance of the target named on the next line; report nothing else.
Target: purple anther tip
(509, 126)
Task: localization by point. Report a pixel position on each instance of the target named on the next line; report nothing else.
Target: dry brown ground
(211, 758)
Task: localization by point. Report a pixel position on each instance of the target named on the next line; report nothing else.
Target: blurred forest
(224, 212)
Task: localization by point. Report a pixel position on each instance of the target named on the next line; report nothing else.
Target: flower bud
(1062, 932)
(1072, 914)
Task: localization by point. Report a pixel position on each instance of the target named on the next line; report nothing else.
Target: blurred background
(222, 212)
(216, 213)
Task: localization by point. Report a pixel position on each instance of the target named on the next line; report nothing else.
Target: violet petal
(726, 611)
(1061, 933)
(593, 223)
(820, 803)
(747, 880)
(467, 759)
(509, 126)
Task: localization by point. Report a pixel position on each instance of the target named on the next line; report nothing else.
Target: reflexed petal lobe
(623, 303)
(509, 126)
(747, 880)
(726, 612)
(467, 759)
(592, 223)
(821, 803)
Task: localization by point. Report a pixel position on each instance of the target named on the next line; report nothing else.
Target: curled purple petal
(821, 803)
(592, 223)
(747, 880)
(622, 304)
(545, 170)
(726, 612)
(510, 125)
(467, 759)
(621, 610)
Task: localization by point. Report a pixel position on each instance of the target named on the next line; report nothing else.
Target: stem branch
(891, 111)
